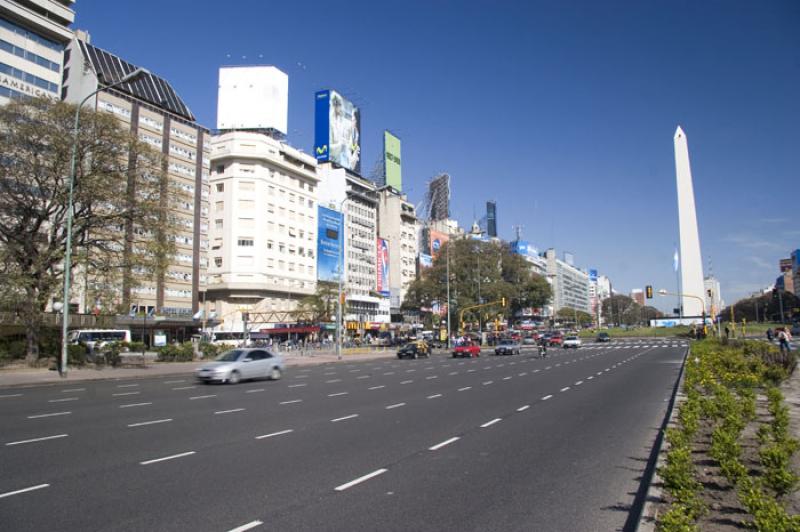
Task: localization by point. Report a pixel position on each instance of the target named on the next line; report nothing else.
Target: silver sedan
(240, 364)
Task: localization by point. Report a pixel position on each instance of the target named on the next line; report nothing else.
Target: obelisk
(691, 261)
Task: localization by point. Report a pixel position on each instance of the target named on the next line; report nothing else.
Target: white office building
(570, 285)
(33, 35)
(397, 224)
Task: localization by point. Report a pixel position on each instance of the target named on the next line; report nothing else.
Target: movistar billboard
(337, 130)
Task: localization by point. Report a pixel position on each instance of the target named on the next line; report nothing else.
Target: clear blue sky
(563, 114)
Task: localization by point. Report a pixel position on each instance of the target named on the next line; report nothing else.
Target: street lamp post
(663, 292)
(68, 252)
(340, 268)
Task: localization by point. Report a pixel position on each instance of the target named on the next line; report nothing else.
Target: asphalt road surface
(492, 443)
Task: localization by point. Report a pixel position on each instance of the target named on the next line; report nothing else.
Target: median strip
(359, 480)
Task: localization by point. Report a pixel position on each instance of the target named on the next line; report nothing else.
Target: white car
(571, 341)
(239, 364)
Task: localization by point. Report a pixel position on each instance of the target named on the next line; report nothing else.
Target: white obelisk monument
(691, 262)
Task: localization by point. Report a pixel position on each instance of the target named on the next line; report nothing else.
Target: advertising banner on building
(391, 161)
(383, 267)
(593, 276)
(337, 131)
(437, 240)
(425, 261)
(330, 249)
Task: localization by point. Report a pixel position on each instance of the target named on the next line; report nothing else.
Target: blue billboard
(337, 130)
(593, 276)
(330, 244)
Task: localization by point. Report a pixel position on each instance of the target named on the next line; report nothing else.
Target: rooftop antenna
(517, 231)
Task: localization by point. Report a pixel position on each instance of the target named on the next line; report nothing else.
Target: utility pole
(447, 260)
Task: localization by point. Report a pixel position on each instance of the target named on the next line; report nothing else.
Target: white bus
(97, 338)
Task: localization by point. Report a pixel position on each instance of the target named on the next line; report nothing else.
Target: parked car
(603, 337)
(415, 349)
(571, 341)
(240, 364)
(556, 339)
(529, 340)
(507, 347)
(467, 349)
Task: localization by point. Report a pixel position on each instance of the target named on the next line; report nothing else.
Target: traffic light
(245, 316)
(709, 292)
(648, 290)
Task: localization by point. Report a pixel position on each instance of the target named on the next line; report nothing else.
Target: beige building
(397, 223)
(151, 109)
(263, 230)
(33, 34)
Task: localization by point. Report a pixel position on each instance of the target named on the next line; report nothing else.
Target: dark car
(507, 347)
(416, 349)
(603, 337)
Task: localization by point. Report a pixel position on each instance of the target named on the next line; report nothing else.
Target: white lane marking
(175, 382)
(131, 405)
(548, 367)
(127, 385)
(279, 433)
(37, 416)
(410, 370)
(337, 394)
(376, 387)
(470, 370)
(363, 377)
(291, 402)
(124, 393)
(434, 396)
(431, 377)
(185, 388)
(522, 374)
(406, 382)
(487, 383)
(68, 390)
(301, 376)
(331, 381)
(63, 400)
(351, 416)
(10, 395)
(537, 370)
(359, 480)
(578, 383)
(492, 422)
(202, 396)
(564, 389)
(354, 370)
(599, 372)
(557, 365)
(37, 439)
(389, 373)
(329, 373)
(453, 373)
(546, 397)
(231, 411)
(171, 457)
(24, 490)
(523, 408)
(442, 444)
(154, 422)
(254, 391)
(396, 405)
(506, 378)
(297, 385)
(247, 526)
(465, 388)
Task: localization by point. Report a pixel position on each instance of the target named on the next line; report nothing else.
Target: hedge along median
(728, 463)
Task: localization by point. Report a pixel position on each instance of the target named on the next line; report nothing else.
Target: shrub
(76, 355)
(767, 513)
(210, 350)
(176, 353)
(677, 519)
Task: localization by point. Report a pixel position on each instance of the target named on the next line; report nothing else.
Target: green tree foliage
(765, 307)
(623, 310)
(480, 272)
(321, 304)
(578, 317)
(122, 226)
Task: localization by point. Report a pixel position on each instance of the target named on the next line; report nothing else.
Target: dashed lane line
(396, 405)
(337, 394)
(231, 411)
(154, 422)
(194, 398)
(293, 401)
(434, 396)
(64, 400)
(34, 440)
(171, 457)
(359, 480)
(546, 397)
(343, 418)
(273, 434)
(23, 490)
(53, 414)
(132, 405)
(490, 423)
(444, 443)
(247, 526)
(523, 408)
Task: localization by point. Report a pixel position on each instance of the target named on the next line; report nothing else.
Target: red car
(467, 349)
(556, 340)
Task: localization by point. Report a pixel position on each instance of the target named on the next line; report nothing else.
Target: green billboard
(391, 161)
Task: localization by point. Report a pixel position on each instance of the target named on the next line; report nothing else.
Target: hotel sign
(24, 88)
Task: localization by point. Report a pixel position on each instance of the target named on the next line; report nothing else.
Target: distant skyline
(562, 114)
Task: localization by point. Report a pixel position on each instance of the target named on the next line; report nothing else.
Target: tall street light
(68, 252)
(340, 260)
(663, 292)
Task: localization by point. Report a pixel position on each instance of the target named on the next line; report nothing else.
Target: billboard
(383, 267)
(425, 261)
(437, 239)
(337, 131)
(330, 248)
(255, 97)
(593, 276)
(393, 175)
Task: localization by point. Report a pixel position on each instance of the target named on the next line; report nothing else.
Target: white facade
(33, 35)
(397, 223)
(570, 285)
(253, 97)
(714, 302)
(263, 225)
(691, 262)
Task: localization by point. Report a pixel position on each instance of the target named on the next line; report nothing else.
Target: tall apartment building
(570, 285)
(397, 223)
(263, 229)
(33, 34)
(151, 109)
(344, 191)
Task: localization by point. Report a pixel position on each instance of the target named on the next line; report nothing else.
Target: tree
(321, 304)
(572, 315)
(621, 310)
(122, 228)
(766, 307)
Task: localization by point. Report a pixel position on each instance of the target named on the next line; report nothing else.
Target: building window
(245, 241)
(218, 223)
(219, 206)
(218, 262)
(270, 244)
(220, 187)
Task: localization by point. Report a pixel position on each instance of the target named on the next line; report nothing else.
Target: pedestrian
(727, 332)
(783, 339)
(770, 334)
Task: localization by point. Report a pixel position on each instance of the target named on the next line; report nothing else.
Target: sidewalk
(14, 377)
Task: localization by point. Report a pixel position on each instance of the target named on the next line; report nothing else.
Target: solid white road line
(155, 422)
(202, 396)
(434, 396)
(564, 389)
(24, 490)
(37, 439)
(181, 455)
(546, 397)
(336, 394)
(125, 393)
(37, 416)
(351, 416)
(247, 526)
(523, 408)
(279, 433)
(63, 400)
(131, 405)
(291, 402)
(231, 411)
(397, 405)
(255, 390)
(73, 390)
(359, 480)
(442, 444)
(376, 387)
(185, 388)
(490, 423)
(465, 388)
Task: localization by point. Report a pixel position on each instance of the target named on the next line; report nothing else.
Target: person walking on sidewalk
(783, 340)
(770, 334)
